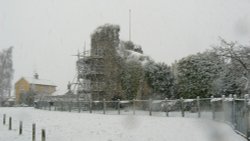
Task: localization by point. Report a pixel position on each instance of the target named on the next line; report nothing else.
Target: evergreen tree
(196, 74)
(160, 79)
(131, 78)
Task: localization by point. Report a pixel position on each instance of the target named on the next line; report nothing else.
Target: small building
(28, 85)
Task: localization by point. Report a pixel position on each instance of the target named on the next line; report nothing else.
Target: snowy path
(64, 126)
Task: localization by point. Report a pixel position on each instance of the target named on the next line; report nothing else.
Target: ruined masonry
(98, 70)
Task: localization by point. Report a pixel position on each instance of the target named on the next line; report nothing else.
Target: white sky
(45, 33)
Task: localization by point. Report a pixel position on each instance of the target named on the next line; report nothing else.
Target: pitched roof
(39, 81)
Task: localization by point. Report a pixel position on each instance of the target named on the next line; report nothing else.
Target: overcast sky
(45, 33)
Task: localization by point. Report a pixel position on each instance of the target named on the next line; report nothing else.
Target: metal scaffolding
(90, 67)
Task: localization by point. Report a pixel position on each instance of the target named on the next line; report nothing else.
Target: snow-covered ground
(65, 126)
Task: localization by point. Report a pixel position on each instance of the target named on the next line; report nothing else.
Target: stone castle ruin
(99, 71)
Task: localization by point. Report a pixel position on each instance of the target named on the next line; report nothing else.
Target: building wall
(21, 86)
(44, 89)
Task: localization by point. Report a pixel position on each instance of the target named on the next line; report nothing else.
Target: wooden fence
(21, 128)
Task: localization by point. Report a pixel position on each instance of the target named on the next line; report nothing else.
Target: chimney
(36, 76)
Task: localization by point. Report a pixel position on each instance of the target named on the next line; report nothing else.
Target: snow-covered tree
(133, 61)
(174, 70)
(129, 45)
(6, 73)
(132, 74)
(229, 80)
(196, 74)
(160, 79)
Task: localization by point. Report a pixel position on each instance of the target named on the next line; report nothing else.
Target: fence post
(49, 106)
(213, 107)
(70, 103)
(182, 107)
(234, 110)
(90, 106)
(166, 106)
(61, 104)
(45, 105)
(223, 98)
(43, 135)
(133, 106)
(231, 106)
(33, 132)
(79, 104)
(20, 128)
(104, 106)
(119, 105)
(150, 106)
(4, 119)
(247, 115)
(10, 123)
(198, 106)
(41, 107)
(36, 104)
(39, 104)
(55, 104)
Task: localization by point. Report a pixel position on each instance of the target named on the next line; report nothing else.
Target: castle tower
(99, 72)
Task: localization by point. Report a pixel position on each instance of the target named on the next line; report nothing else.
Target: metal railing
(231, 110)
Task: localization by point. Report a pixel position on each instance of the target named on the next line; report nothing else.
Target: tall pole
(84, 49)
(78, 82)
(129, 24)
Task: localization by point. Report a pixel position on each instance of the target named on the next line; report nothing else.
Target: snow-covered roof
(39, 81)
(135, 55)
(131, 55)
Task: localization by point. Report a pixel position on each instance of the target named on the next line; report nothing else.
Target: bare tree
(237, 54)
